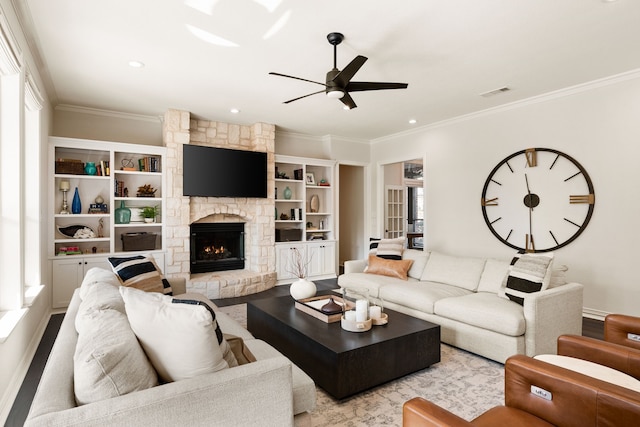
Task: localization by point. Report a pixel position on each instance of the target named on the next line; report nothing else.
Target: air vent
(495, 92)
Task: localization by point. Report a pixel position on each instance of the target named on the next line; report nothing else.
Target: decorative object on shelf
(284, 217)
(276, 213)
(122, 214)
(297, 174)
(99, 200)
(101, 227)
(71, 230)
(149, 213)
(76, 204)
(310, 178)
(357, 320)
(128, 165)
(64, 187)
(146, 191)
(535, 177)
(324, 183)
(301, 288)
(90, 168)
(287, 193)
(84, 233)
(138, 241)
(276, 193)
(99, 207)
(314, 204)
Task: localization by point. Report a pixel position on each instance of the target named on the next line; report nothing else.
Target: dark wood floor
(20, 409)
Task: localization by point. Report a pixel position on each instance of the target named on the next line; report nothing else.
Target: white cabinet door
(322, 258)
(68, 274)
(285, 254)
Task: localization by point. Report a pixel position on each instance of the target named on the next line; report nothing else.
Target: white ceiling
(448, 51)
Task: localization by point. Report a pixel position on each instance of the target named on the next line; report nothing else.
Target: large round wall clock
(537, 200)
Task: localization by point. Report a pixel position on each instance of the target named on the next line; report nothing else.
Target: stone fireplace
(254, 214)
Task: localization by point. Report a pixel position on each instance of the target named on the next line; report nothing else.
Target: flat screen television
(222, 172)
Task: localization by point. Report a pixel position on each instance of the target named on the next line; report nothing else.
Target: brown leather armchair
(540, 394)
(620, 350)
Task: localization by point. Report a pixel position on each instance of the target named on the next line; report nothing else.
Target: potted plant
(298, 266)
(149, 213)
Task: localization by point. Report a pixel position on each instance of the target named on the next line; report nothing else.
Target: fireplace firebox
(217, 246)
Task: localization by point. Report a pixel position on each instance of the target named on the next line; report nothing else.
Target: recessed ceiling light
(136, 64)
(413, 121)
(234, 110)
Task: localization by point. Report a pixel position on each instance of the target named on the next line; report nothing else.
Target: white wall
(597, 124)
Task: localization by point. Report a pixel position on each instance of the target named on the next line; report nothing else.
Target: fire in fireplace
(217, 246)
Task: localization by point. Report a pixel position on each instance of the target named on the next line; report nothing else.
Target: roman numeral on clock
(490, 202)
(583, 198)
(532, 157)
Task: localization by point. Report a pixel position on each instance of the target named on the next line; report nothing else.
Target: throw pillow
(181, 337)
(140, 272)
(390, 248)
(108, 360)
(389, 267)
(528, 273)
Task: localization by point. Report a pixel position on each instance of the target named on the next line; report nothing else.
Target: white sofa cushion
(463, 272)
(419, 295)
(419, 262)
(493, 275)
(371, 282)
(181, 340)
(486, 311)
(108, 360)
(387, 248)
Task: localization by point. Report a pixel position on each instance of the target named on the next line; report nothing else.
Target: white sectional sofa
(462, 295)
(270, 391)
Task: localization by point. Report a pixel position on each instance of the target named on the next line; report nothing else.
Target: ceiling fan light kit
(338, 83)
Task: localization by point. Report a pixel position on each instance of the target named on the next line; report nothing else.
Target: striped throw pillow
(140, 272)
(390, 248)
(528, 273)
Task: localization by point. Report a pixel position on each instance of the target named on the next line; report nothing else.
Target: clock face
(537, 200)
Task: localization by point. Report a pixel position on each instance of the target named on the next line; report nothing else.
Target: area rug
(462, 382)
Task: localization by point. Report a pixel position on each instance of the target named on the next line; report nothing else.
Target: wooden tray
(308, 305)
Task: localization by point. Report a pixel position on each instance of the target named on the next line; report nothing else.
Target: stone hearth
(257, 214)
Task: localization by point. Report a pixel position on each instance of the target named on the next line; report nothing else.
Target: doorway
(351, 213)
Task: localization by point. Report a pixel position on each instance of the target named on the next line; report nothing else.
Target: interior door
(394, 212)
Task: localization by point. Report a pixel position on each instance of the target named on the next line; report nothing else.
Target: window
(20, 175)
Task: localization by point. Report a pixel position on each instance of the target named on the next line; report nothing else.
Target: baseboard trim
(6, 403)
(592, 313)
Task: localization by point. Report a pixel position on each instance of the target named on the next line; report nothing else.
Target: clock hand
(529, 203)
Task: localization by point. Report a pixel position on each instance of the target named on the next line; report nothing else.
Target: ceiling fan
(338, 84)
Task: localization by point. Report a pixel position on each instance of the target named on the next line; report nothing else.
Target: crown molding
(107, 113)
(561, 93)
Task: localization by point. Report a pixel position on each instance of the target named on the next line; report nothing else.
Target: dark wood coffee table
(344, 363)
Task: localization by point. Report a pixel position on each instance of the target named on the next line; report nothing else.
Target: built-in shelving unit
(119, 166)
(305, 215)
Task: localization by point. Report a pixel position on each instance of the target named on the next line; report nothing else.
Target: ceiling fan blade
(297, 78)
(303, 96)
(362, 86)
(347, 73)
(348, 101)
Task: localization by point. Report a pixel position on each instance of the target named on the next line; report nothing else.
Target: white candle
(375, 312)
(350, 315)
(361, 310)
(64, 185)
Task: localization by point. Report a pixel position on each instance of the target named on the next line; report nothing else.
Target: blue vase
(76, 205)
(90, 168)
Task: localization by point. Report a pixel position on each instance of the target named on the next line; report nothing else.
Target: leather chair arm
(615, 356)
(576, 399)
(617, 328)
(420, 412)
